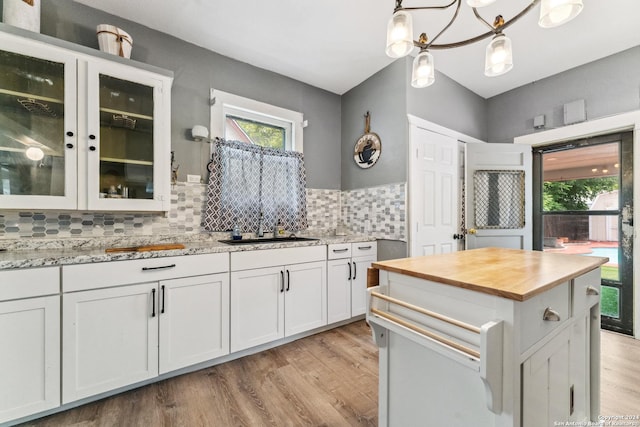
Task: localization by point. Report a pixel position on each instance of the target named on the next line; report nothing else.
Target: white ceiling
(337, 44)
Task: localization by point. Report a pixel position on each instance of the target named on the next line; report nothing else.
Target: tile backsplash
(378, 211)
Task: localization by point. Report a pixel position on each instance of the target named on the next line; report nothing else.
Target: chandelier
(498, 57)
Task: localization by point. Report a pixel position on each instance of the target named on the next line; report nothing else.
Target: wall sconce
(200, 133)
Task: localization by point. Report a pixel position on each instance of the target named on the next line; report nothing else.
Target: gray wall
(449, 104)
(389, 96)
(384, 96)
(196, 70)
(609, 86)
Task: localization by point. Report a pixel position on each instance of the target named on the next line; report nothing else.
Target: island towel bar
(426, 312)
(447, 342)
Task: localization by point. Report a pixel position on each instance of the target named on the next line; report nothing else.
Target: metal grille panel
(499, 199)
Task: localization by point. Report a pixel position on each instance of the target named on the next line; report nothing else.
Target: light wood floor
(329, 379)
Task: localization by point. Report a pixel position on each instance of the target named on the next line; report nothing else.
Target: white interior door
(498, 196)
(433, 192)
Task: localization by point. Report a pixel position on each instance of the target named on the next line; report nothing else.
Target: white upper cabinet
(81, 132)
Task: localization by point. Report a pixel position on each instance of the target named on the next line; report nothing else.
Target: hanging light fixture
(499, 55)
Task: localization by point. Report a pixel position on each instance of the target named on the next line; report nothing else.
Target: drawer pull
(551, 315)
(162, 267)
(592, 291)
(364, 248)
(335, 251)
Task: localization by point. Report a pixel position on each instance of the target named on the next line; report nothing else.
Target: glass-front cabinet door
(38, 134)
(124, 140)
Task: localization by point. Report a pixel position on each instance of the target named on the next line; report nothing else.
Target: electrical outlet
(193, 179)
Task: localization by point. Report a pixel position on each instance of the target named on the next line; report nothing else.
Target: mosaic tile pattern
(323, 212)
(379, 212)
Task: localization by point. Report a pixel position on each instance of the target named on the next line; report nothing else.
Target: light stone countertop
(29, 253)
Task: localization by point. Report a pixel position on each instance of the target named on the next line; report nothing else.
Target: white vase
(21, 13)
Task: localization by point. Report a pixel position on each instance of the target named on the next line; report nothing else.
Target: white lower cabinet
(121, 335)
(347, 279)
(270, 302)
(30, 341)
(110, 339)
(194, 320)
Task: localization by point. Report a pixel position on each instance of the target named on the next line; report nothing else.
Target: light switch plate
(193, 179)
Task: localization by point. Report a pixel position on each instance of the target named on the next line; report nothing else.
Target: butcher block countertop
(508, 273)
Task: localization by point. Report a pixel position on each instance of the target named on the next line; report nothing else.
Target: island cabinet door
(194, 320)
(257, 307)
(110, 339)
(547, 387)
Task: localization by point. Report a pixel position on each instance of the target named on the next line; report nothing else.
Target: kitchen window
(235, 118)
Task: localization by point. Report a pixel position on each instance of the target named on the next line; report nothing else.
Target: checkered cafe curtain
(246, 179)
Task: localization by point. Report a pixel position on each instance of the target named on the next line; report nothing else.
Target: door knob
(458, 236)
(472, 231)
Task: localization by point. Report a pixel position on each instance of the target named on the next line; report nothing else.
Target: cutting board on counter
(146, 248)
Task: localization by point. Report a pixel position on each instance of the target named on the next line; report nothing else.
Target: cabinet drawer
(29, 282)
(102, 275)
(364, 249)
(339, 250)
(586, 291)
(533, 327)
(271, 257)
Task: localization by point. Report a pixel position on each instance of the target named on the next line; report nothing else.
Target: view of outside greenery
(262, 134)
(575, 195)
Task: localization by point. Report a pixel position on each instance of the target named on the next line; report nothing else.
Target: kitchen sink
(267, 240)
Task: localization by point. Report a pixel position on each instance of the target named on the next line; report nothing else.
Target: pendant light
(499, 56)
(399, 35)
(557, 12)
(423, 70)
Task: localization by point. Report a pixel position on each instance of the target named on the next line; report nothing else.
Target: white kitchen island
(487, 337)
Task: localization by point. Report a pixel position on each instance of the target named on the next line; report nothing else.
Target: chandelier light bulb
(557, 12)
(423, 70)
(399, 35)
(498, 57)
(34, 153)
(479, 3)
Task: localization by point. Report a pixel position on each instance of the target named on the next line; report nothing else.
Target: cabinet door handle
(288, 280)
(153, 302)
(162, 308)
(69, 145)
(551, 315)
(337, 251)
(69, 133)
(592, 291)
(281, 281)
(349, 264)
(92, 137)
(162, 267)
(92, 148)
(354, 271)
(364, 248)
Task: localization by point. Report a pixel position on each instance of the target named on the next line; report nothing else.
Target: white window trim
(230, 103)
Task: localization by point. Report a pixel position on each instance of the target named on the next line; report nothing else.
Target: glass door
(584, 206)
(37, 128)
(122, 141)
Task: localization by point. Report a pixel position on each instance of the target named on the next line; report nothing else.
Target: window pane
(581, 179)
(590, 235)
(32, 153)
(254, 132)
